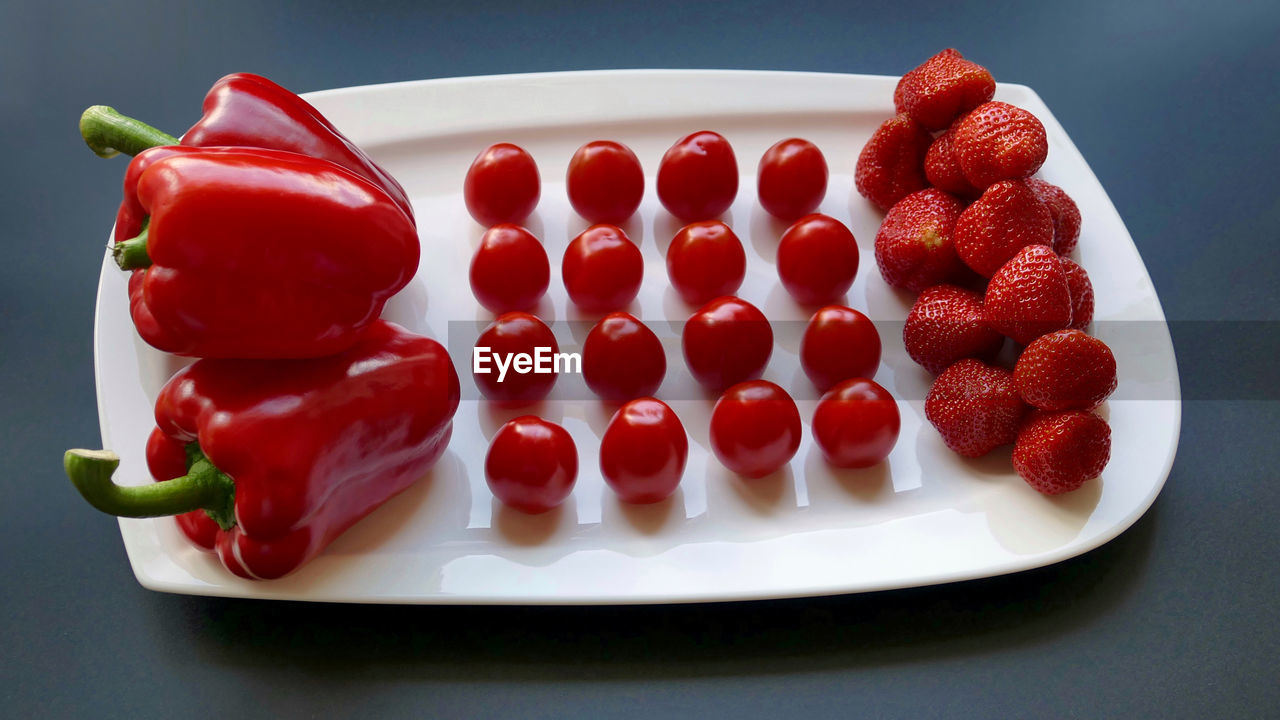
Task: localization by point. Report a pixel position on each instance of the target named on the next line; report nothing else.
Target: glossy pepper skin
(243, 109)
(259, 253)
(311, 446)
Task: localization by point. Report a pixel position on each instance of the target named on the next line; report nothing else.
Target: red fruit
(510, 270)
(602, 269)
(502, 185)
(644, 451)
(1057, 452)
(1065, 370)
(791, 179)
(856, 424)
(942, 169)
(755, 428)
(839, 343)
(1007, 218)
(1063, 210)
(946, 324)
(1028, 297)
(817, 259)
(622, 358)
(698, 177)
(942, 88)
(914, 247)
(890, 166)
(1081, 293)
(726, 341)
(998, 141)
(705, 261)
(975, 407)
(531, 465)
(605, 182)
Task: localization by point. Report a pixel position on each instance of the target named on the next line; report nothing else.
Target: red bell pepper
(254, 253)
(245, 110)
(266, 462)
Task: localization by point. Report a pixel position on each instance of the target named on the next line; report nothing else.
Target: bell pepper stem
(132, 254)
(108, 133)
(204, 487)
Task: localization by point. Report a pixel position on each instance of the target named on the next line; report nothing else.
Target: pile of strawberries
(985, 245)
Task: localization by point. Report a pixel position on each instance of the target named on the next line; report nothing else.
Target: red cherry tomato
(856, 424)
(698, 177)
(792, 179)
(531, 465)
(839, 343)
(622, 359)
(755, 428)
(817, 260)
(706, 261)
(502, 344)
(510, 270)
(726, 341)
(643, 451)
(605, 182)
(602, 269)
(502, 185)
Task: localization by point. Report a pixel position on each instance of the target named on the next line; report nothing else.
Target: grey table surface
(1173, 105)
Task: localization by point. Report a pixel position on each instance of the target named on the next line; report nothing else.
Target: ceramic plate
(925, 516)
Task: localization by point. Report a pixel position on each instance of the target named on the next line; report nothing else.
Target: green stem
(132, 254)
(108, 133)
(204, 487)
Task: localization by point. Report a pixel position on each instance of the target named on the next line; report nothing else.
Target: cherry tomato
(726, 341)
(839, 343)
(706, 261)
(755, 428)
(510, 270)
(502, 185)
(605, 182)
(622, 359)
(791, 179)
(502, 344)
(698, 177)
(817, 260)
(643, 451)
(532, 464)
(856, 424)
(602, 269)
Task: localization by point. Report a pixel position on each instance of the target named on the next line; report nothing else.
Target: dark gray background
(1174, 107)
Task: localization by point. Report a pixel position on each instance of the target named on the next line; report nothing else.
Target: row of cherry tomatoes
(727, 342)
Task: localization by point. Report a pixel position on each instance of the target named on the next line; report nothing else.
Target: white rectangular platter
(925, 516)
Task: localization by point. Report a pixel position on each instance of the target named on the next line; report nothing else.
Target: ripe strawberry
(1081, 293)
(1028, 296)
(975, 407)
(942, 169)
(890, 166)
(942, 88)
(1007, 218)
(945, 325)
(998, 141)
(1056, 452)
(913, 247)
(1065, 213)
(1065, 370)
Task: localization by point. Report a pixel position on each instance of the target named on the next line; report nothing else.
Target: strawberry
(890, 166)
(1065, 370)
(1081, 293)
(1056, 452)
(1007, 218)
(998, 141)
(942, 169)
(945, 325)
(975, 407)
(1063, 210)
(1028, 296)
(913, 247)
(942, 88)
